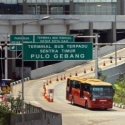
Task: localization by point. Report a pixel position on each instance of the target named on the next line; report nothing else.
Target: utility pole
(22, 76)
(6, 56)
(96, 56)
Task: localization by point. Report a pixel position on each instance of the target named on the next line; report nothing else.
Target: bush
(119, 91)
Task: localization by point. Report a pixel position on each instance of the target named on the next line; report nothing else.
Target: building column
(68, 29)
(71, 7)
(12, 54)
(89, 32)
(112, 33)
(41, 63)
(25, 7)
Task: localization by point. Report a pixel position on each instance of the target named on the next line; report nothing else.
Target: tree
(120, 89)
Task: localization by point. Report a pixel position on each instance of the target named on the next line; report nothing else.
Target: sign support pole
(96, 56)
(6, 58)
(22, 76)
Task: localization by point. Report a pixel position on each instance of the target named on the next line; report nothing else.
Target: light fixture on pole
(116, 33)
(23, 24)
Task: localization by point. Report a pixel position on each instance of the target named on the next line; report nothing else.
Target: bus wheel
(86, 105)
(72, 101)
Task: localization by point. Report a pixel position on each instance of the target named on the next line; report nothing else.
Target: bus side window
(77, 85)
(86, 87)
(73, 84)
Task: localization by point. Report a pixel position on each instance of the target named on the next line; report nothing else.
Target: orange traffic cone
(111, 61)
(120, 58)
(47, 82)
(70, 75)
(84, 70)
(76, 74)
(104, 64)
(61, 78)
(57, 79)
(50, 81)
(64, 76)
(91, 68)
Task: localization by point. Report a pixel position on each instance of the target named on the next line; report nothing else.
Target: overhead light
(99, 5)
(45, 18)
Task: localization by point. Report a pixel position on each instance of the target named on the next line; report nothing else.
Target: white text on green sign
(57, 51)
(54, 38)
(16, 39)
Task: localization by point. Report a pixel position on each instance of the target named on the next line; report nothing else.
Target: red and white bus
(89, 92)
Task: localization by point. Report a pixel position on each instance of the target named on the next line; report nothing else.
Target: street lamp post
(116, 33)
(23, 24)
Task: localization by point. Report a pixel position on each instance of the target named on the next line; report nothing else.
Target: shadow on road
(92, 109)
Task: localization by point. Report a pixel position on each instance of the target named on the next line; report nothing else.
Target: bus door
(76, 91)
(82, 99)
(81, 91)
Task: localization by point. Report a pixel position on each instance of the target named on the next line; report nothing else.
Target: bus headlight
(93, 99)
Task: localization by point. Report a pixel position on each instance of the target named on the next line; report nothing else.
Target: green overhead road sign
(57, 51)
(54, 38)
(16, 39)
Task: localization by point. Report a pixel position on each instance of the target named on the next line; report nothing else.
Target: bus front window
(102, 91)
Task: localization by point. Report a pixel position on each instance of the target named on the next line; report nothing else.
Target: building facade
(76, 7)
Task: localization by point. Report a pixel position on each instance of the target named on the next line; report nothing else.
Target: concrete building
(81, 17)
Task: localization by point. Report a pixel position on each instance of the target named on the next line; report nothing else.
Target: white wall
(28, 29)
(55, 29)
(5, 29)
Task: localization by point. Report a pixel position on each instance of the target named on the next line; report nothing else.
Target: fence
(36, 116)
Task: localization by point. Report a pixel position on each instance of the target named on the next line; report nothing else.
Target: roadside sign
(16, 39)
(57, 51)
(3, 83)
(54, 38)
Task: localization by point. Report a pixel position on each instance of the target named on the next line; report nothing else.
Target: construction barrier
(50, 95)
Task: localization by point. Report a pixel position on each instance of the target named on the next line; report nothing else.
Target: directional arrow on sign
(13, 47)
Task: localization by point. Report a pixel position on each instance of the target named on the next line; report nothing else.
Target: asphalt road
(72, 115)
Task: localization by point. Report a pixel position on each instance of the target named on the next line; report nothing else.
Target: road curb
(119, 105)
(20, 81)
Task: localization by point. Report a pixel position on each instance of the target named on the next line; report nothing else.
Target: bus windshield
(102, 91)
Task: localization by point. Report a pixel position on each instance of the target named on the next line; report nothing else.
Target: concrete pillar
(112, 33)
(67, 29)
(89, 32)
(25, 7)
(41, 63)
(12, 62)
(119, 7)
(71, 7)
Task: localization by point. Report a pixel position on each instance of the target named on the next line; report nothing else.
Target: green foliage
(13, 106)
(119, 87)
(100, 75)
